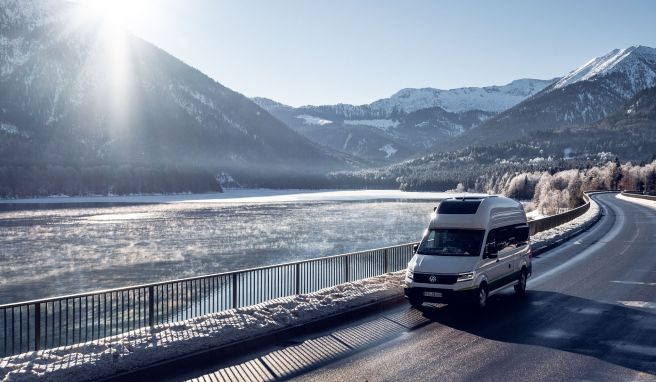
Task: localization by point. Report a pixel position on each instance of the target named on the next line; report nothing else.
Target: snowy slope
(408, 123)
(589, 93)
(88, 93)
(374, 134)
(637, 62)
(489, 98)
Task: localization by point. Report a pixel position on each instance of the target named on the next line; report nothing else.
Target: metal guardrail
(67, 320)
(549, 222)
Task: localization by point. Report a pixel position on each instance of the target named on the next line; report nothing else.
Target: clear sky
(356, 51)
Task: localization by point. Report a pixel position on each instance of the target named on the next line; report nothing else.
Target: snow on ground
(563, 230)
(383, 124)
(142, 347)
(389, 150)
(642, 202)
(535, 214)
(249, 196)
(489, 98)
(8, 128)
(310, 120)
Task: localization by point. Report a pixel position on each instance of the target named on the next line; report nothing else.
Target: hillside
(629, 134)
(375, 135)
(587, 94)
(492, 99)
(105, 107)
(407, 124)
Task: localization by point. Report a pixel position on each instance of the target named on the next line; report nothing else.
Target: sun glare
(116, 12)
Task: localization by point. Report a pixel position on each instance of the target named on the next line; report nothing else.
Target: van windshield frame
(452, 242)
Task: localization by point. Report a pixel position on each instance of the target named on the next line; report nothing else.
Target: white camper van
(472, 248)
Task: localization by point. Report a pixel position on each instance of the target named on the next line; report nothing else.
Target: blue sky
(323, 52)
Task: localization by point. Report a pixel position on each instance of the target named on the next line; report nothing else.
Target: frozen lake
(48, 248)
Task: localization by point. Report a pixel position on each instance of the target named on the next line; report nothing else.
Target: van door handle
(509, 266)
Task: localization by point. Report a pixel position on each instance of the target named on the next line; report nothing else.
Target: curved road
(590, 314)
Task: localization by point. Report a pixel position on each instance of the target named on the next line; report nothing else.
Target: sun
(116, 12)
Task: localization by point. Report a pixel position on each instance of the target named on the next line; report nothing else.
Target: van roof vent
(459, 206)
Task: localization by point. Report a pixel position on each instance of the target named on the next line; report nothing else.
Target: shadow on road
(617, 334)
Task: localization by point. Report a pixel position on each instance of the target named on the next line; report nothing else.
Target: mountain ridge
(80, 94)
(392, 129)
(585, 95)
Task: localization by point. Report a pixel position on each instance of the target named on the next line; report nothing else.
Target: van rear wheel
(520, 287)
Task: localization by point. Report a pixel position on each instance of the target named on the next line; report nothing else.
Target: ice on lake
(59, 249)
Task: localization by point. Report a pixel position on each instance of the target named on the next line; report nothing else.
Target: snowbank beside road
(140, 348)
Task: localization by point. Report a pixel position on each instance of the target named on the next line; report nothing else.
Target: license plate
(433, 294)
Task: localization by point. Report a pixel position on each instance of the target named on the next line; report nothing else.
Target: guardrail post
(298, 278)
(37, 325)
(347, 273)
(385, 262)
(151, 306)
(234, 291)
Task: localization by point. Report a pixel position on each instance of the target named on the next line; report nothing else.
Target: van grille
(440, 279)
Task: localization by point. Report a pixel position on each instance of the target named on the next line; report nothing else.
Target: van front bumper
(447, 295)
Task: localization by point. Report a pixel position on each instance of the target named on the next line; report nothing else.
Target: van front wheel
(480, 301)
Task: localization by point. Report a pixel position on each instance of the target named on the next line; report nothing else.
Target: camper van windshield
(452, 242)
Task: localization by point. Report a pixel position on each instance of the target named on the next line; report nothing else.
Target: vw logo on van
(432, 279)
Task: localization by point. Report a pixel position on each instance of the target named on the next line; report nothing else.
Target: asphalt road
(590, 314)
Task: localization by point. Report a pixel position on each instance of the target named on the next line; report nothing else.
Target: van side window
(491, 238)
(505, 238)
(508, 237)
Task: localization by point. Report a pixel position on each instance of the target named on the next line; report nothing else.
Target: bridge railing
(68, 320)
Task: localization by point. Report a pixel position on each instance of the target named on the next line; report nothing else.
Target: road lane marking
(555, 334)
(618, 226)
(633, 282)
(639, 304)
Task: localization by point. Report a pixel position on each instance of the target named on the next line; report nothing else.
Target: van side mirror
(414, 248)
(434, 209)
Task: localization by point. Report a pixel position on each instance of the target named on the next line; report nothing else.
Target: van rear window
(454, 206)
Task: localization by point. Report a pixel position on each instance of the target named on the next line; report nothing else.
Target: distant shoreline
(239, 196)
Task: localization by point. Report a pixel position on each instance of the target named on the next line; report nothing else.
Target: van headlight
(409, 274)
(466, 276)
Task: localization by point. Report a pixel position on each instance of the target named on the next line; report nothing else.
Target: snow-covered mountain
(635, 64)
(408, 123)
(374, 134)
(587, 94)
(79, 92)
(489, 98)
